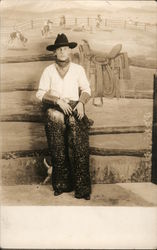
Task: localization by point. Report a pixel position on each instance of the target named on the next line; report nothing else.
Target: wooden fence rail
(82, 21)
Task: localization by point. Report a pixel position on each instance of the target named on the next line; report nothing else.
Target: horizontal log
(135, 126)
(27, 58)
(33, 58)
(138, 61)
(94, 130)
(24, 78)
(24, 153)
(100, 130)
(24, 106)
(30, 137)
(113, 152)
(93, 151)
(131, 141)
(103, 169)
(139, 94)
(142, 61)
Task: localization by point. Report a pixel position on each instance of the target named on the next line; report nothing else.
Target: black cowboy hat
(61, 41)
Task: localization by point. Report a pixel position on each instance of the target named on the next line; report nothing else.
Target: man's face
(63, 53)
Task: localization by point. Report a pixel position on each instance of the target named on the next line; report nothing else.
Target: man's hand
(80, 110)
(64, 106)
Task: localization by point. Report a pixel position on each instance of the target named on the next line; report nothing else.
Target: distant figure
(50, 23)
(136, 21)
(62, 21)
(83, 28)
(129, 20)
(98, 21)
(17, 35)
(46, 28)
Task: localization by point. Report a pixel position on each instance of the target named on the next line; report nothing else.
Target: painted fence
(88, 23)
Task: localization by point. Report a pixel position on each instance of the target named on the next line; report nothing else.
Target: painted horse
(19, 36)
(46, 28)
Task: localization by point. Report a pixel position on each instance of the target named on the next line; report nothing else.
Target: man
(66, 123)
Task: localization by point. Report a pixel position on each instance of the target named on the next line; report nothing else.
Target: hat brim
(53, 47)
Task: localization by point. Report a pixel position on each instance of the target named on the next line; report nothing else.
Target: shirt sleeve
(83, 82)
(44, 85)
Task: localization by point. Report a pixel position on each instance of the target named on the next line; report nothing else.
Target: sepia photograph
(78, 104)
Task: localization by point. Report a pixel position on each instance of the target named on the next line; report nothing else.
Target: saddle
(108, 69)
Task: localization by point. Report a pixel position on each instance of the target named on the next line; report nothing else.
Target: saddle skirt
(108, 72)
(108, 69)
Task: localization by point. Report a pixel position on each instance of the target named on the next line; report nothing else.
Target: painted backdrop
(120, 139)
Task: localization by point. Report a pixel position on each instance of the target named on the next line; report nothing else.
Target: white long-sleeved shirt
(67, 87)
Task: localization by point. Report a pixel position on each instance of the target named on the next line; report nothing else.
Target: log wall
(118, 129)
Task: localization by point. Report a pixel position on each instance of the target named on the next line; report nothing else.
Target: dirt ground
(126, 194)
